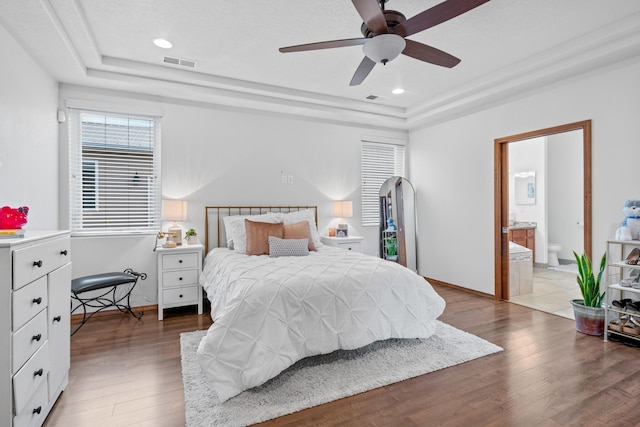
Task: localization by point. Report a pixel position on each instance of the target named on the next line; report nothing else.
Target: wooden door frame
(501, 198)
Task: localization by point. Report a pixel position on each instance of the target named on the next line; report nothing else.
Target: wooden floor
(126, 372)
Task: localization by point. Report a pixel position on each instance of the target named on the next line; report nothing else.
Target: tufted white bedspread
(271, 312)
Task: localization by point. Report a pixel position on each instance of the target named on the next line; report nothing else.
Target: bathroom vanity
(523, 234)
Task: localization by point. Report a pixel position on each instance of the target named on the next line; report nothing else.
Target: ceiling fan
(385, 33)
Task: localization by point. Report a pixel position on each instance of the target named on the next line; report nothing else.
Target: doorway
(501, 192)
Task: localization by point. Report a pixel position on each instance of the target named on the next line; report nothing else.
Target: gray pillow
(288, 247)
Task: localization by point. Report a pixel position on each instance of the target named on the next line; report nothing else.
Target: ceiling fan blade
(362, 72)
(372, 15)
(323, 45)
(429, 54)
(436, 15)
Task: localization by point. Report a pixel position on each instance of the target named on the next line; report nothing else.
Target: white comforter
(271, 312)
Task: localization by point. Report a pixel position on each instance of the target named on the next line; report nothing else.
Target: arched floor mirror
(398, 222)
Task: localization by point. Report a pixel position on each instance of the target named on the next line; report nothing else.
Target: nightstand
(351, 243)
(178, 277)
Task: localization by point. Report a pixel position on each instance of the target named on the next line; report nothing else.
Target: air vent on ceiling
(179, 61)
(372, 97)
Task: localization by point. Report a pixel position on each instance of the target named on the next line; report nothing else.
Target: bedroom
(204, 166)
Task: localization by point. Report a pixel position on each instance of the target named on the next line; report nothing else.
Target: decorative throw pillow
(235, 232)
(288, 247)
(299, 230)
(305, 214)
(258, 234)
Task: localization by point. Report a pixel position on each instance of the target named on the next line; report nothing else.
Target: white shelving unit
(617, 269)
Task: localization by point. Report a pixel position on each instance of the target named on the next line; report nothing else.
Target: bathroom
(546, 200)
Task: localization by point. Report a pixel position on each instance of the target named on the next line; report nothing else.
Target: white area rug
(321, 379)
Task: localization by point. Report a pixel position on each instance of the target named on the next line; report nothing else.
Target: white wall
(28, 136)
(565, 193)
(451, 167)
(525, 156)
(220, 156)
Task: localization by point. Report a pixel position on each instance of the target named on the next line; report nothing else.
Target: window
(380, 161)
(114, 173)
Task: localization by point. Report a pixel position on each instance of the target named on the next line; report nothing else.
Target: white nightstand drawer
(29, 301)
(30, 377)
(180, 295)
(173, 261)
(179, 278)
(35, 411)
(39, 260)
(28, 339)
(354, 246)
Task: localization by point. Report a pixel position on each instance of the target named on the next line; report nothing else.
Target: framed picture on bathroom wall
(525, 188)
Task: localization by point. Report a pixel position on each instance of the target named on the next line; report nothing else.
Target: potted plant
(391, 248)
(191, 236)
(588, 311)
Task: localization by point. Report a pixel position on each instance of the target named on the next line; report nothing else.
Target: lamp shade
(343, 209)
(174, 210)
(384, 47)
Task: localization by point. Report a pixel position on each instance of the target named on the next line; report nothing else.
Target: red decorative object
(13, 218)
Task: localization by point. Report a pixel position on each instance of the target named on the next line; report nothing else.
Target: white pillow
(237, 234)
(297, 216)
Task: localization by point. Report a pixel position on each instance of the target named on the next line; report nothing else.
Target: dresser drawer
(37, 260)
(29, 301)
(173, 261)
(30, 377)
(179, 278)
(180, 295)
(353, 246)
(35, 411)
(28, 339)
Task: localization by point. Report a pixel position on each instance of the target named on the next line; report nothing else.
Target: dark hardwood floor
(126, 372)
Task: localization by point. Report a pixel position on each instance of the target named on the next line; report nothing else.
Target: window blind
(380, 161)
(114, 183)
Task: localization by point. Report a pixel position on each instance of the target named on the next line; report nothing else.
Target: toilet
(554, 248)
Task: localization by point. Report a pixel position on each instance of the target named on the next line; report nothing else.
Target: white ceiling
(506, 47)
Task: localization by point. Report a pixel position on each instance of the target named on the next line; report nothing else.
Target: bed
(270, 311)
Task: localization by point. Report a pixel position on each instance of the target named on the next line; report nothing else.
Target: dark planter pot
(589, 320)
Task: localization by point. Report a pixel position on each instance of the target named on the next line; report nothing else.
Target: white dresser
(179, 277)
(35, 281)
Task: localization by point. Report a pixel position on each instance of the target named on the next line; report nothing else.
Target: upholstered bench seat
(109, 283)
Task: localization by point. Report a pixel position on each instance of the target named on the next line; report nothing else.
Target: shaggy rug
(321, 379)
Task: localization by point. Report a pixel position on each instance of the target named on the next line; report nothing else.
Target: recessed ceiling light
(165, 44)
(397, 91)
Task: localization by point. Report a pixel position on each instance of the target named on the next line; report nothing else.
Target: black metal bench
(109, 282)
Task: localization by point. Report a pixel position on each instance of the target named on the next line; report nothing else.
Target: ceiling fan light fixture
(384, 47)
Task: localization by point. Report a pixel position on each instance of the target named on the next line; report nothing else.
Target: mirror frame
(501, 197)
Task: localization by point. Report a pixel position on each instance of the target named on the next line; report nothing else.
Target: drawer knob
(37, 410)
(37, 263)
(179, 261)
(57, 319)
(180, 295)
(64, 252)
(37, 300)
(180, 278)
(38, 373)
(36, 337)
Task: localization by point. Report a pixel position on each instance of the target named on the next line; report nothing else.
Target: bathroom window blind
(380, 161)
(114, 164)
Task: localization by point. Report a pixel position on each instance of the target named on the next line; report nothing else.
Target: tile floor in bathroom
(552, 293)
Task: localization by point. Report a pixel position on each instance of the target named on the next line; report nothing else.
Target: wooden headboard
(214, 226)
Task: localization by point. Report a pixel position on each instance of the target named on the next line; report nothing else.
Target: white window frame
(379, 162)
(128, 143)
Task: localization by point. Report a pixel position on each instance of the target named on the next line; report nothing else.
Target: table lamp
(174, 210)
(343, 209)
